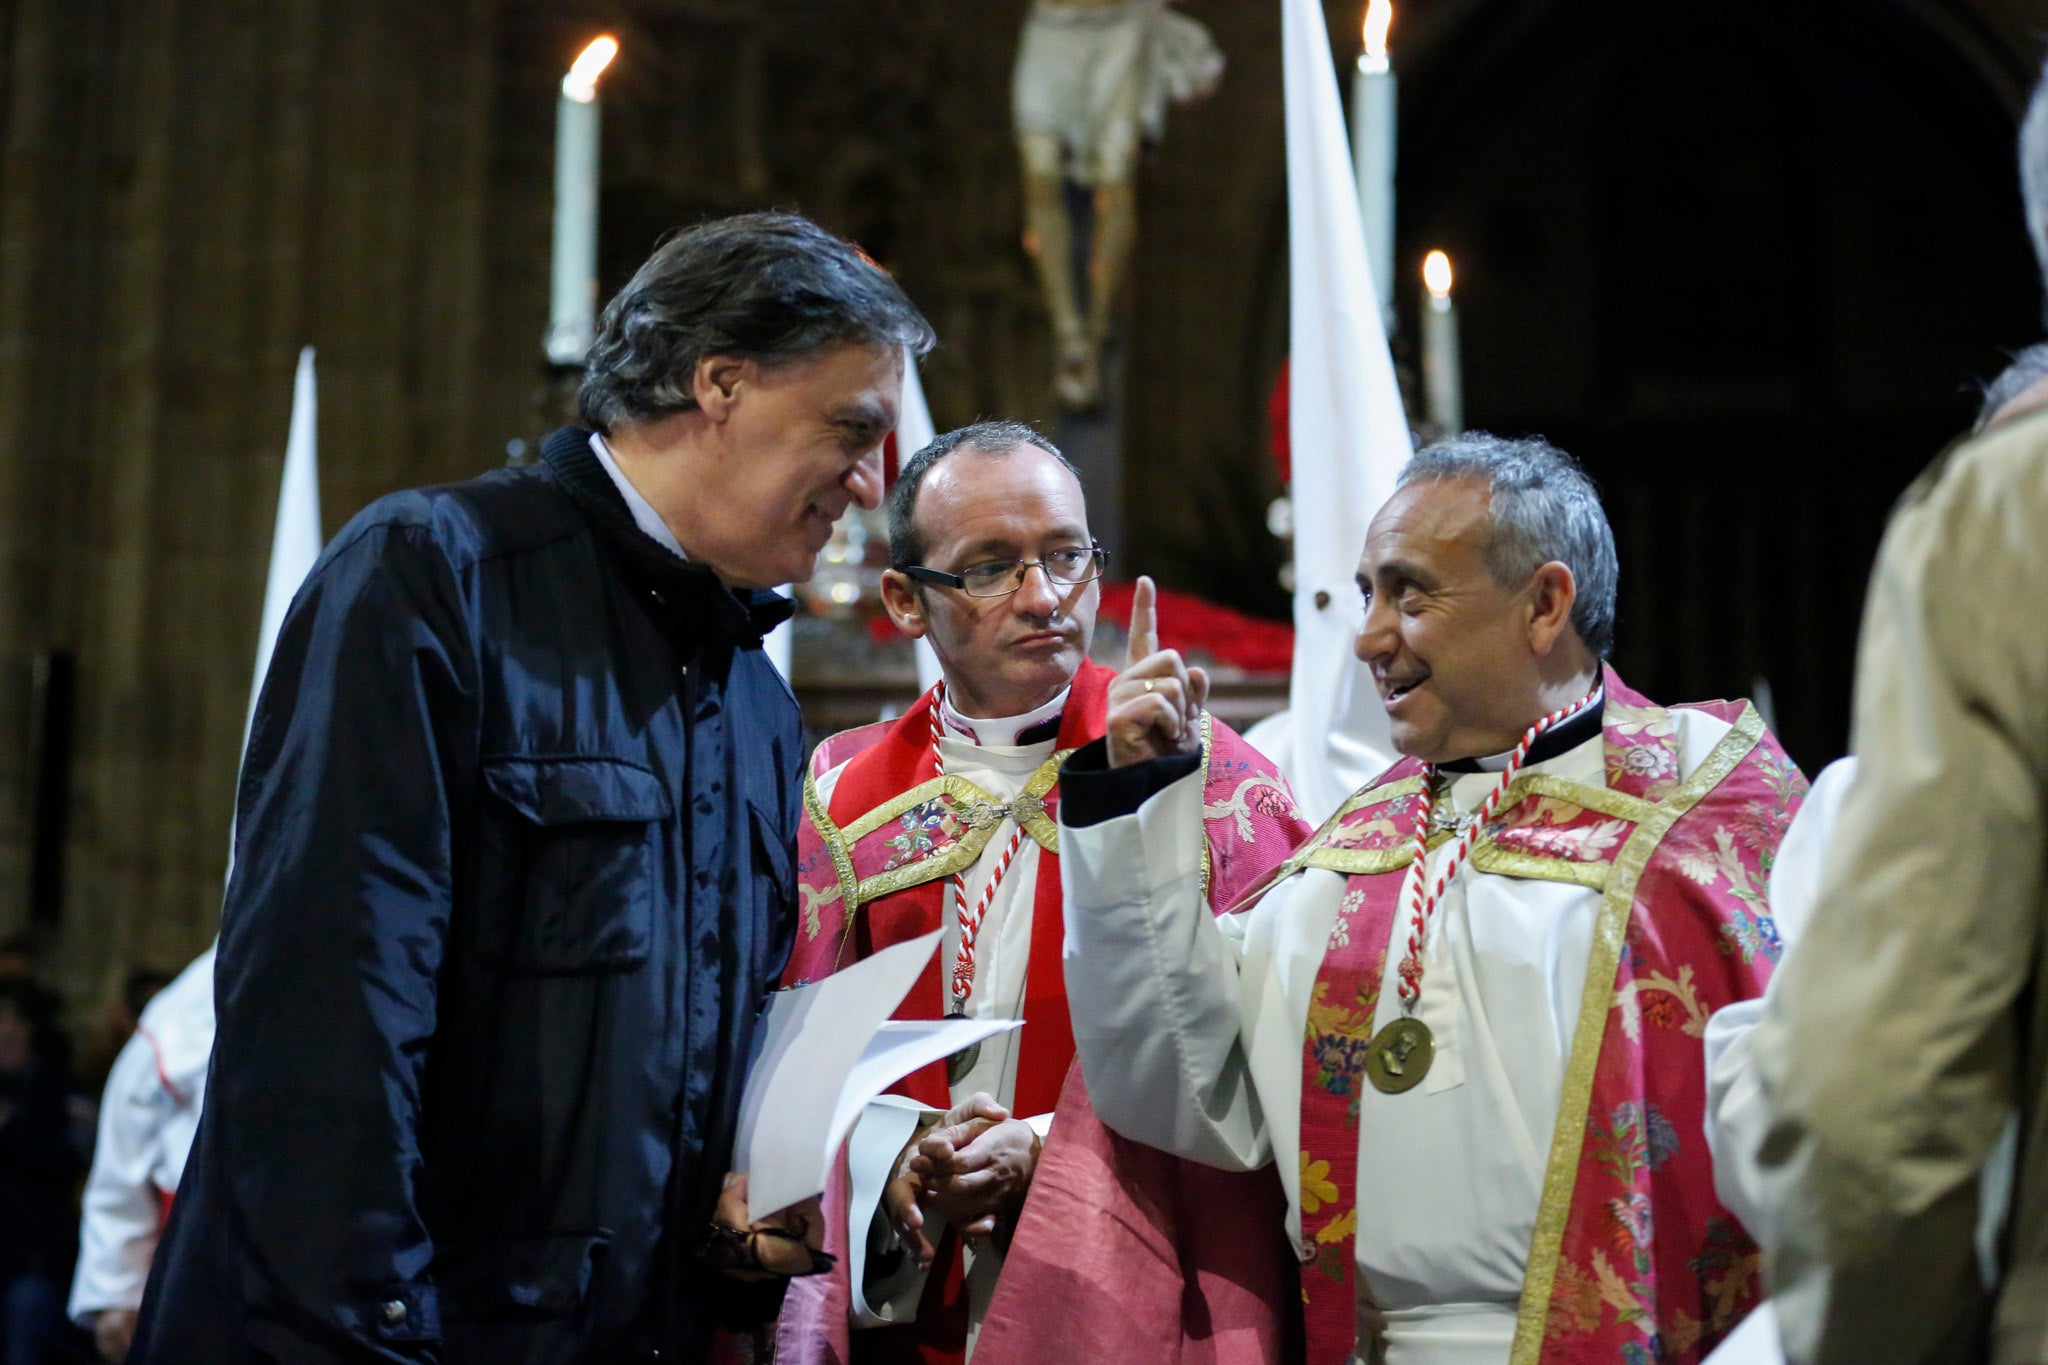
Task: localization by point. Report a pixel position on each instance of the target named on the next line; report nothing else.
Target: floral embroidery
(1639, 1138)
(812, 899)
(1254, 795)
(1372, 834)
(928, 831)
(1650, 722)
(1658, 998)
(1753, 936)
(1317, 1189)
(1340, 935)
(1629, 1225)
(1583, 844)
(1727, 1267)
(1648, 762)
(1580, 1296)
(1338, 1037)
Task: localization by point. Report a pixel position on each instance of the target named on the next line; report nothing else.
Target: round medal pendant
(1399, 1055)
(961, 1062)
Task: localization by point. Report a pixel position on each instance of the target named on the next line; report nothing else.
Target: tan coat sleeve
(1889, 1048)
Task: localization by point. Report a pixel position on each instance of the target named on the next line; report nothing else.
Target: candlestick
(1442, 380)
(572, 312)
(1375, 123)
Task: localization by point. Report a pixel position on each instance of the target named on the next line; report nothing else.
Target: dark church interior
(1750, 264)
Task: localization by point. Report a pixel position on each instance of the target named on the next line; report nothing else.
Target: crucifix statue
(1094, 77)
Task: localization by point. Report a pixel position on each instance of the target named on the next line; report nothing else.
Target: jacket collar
(691, 591)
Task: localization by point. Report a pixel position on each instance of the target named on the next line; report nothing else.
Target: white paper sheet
(1754, 1342)
(826, 1050)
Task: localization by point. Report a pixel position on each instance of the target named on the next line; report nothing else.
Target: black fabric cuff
(1091, 791)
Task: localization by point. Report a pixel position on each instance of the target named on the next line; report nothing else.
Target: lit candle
(1441, 380)
(1374, 125)
(572, 311)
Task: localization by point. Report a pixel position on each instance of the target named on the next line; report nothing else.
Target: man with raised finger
(1464, 1020)
(945, 818)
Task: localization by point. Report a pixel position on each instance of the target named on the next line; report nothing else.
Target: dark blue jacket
(512, 876)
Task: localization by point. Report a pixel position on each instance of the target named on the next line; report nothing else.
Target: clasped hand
(1155, 704)
(795, 1232)
(972, 1168)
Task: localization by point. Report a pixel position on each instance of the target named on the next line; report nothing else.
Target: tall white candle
(1442, 380)
(1375, 124)
(572, 309)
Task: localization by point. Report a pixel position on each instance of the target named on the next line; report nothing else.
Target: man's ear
(903, 599)
(1552, 591)
(717, 382)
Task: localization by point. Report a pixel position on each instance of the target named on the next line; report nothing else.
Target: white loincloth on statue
(1097, 77)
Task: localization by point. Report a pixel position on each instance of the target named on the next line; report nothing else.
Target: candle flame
(581, 82)
(1436, 274)
(1379, 17)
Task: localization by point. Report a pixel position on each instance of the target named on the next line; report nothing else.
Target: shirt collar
(1560, 739)
(1004, 731)
(644, 516)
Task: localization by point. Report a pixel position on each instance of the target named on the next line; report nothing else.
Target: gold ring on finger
(1148, 684)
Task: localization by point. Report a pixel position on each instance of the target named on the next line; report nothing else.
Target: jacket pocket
(504, 1279)
(581, 848)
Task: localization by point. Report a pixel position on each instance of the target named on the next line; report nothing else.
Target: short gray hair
(1543, 508)
(768, 287)
(906, 542)
(2034, 170)
(2028, 368)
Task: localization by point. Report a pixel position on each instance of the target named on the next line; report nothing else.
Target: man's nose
(864, 481)
(1038, 595)
(1377, 636)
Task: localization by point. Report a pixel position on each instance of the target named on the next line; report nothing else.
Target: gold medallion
(1399, 1055)
(961, 1062)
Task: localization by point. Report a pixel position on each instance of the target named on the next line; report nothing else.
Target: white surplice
(980, 751)
(1191, 1030)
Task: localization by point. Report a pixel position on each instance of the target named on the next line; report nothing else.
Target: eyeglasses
(1000, 577)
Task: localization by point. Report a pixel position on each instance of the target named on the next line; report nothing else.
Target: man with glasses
(946, 817)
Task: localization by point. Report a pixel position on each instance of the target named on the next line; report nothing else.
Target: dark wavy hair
(768, 287)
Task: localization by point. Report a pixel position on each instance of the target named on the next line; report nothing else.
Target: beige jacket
(1911, 1022)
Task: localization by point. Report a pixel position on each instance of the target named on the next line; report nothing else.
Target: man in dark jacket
(512, 866)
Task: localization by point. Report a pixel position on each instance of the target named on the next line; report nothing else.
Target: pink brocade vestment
(1634, 1260)
(1147, 1257)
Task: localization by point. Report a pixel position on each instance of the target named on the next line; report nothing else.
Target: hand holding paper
(826, 1050)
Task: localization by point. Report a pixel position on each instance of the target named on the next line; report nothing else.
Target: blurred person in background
(39, 1166)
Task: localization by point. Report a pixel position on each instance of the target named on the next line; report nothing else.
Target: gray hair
(768, 287)
(2028, 368)
(906, 545)
(1543, 508)
(2034, 170)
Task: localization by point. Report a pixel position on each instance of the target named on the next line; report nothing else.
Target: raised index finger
(1144, 620)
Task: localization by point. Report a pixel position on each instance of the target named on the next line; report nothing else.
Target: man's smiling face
(800, 443)
(1449, 647)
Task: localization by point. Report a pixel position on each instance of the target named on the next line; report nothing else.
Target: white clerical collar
(644, 515)
(1494, 763)
(1003, 731)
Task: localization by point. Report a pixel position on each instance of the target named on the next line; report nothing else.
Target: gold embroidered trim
(842, 861)
(1605, 800)
(1208, 751)
(962, 855)
(1567, 1144)
(1486, 856)
(1489, 857)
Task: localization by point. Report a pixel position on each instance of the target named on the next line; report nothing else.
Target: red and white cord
(1421, 908)
(970, 926)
